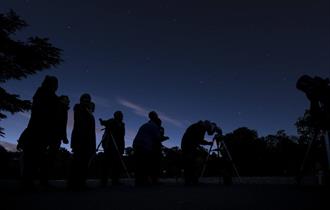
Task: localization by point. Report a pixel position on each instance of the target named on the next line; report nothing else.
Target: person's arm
(123, 139)
(205, 142)
(64, 133)
(202, 141)
(164, 138)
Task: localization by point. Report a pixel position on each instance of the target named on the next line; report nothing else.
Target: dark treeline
(271, 155)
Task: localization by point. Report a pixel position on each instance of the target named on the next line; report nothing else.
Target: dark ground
(169, 195)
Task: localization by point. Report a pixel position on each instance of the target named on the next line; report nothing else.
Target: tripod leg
(219, 172)
(306, 156)
(120, 157)
(97, 149)
(232, 162)
(205, 162)
(327, 146)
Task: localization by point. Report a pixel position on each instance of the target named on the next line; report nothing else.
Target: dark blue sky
(232, 63)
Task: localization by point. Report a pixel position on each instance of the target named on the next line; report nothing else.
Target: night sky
(232, 63)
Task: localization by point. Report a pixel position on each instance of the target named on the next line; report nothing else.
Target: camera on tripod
(218, 137)
(104, 123)
(221, 147)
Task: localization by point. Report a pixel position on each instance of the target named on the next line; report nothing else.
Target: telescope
(317, 91)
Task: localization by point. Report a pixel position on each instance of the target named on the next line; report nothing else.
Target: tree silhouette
(246, 150)
(309, 133)
(20, 59)
(282, 154)
(306, 128)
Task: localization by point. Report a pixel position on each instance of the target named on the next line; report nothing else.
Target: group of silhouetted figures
(46, 130)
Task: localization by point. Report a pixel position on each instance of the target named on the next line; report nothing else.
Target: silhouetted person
(40, 132)
(4, 162)
(157, 149)
(83, 141)
(62, 120)
(145, 144)
(317, 91)
(60, 130)
(113, 143)
(191, 140)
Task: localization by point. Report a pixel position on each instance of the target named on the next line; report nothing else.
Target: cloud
(134, 107)
(170, 120)
(141, 111)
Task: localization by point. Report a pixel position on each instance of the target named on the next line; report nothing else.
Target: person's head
(153, 116)
(217, 129)
(50, 83)
(85, 99)
(210, 127)
(64, 100)
(118, 115)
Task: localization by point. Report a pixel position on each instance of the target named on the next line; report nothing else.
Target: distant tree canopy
(20, 59)
(306, 128)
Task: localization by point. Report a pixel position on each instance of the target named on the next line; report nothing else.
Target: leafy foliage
(20, 59)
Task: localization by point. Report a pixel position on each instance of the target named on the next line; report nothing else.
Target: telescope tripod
(105, 137)
(219, 145)
(322, 134)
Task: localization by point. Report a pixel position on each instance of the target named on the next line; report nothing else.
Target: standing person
(192, 138)
(61, 119)
(317, 90)
(83, 141)
(145, 143)
(113, 143)
(157, 149)
(40, 132)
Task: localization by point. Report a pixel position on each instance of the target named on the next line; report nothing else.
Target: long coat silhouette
(40, 132)
(83, 141)
(83, 138)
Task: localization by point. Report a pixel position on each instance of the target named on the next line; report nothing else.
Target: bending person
(191, 140)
